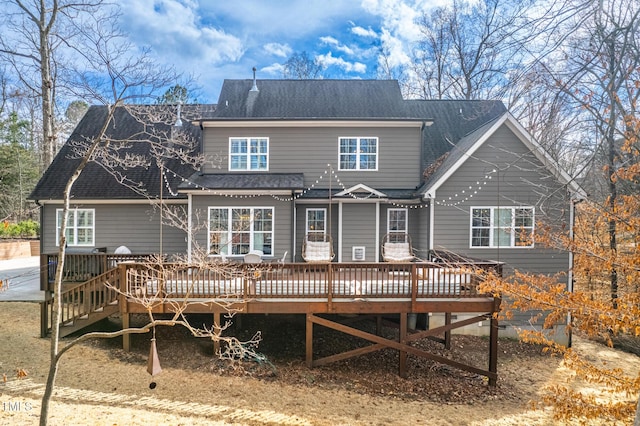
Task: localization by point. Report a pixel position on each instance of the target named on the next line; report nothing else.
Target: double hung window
(80, 227)
(502, 226)
(397, 224)
(358, 153)
(249, 153)
(316, 221)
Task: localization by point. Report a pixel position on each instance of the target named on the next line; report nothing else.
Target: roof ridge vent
(254, 88)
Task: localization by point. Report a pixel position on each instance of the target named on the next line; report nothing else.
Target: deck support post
(402, 367)
(379, 325)
(216, 325)
(493, 350)
(45, 313)
(447, 334)
(309, 341)
(126, 338)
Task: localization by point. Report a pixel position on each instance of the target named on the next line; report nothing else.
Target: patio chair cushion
(316, 251)
(397, 252)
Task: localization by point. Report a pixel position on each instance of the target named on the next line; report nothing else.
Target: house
(293, 162)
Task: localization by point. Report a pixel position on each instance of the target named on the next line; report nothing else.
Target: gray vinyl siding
(421, 235)
(310, 150)
(282, 214)
(358, 230)
(134, 226)
(520, 180)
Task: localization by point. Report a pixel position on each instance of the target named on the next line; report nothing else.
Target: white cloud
(329, 60)
(274, 69)
(363, 32)
(278, 49)
(176, 33)
(399, 29)
(331, 41)
(396, 50)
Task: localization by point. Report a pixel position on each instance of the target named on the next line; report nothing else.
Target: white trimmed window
(397, 220)
(502, 226)
(249, 153)
(358, 153)
(316, 221)
(80, 227)
(236, 231)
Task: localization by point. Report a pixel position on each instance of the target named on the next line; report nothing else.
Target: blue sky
(218, 39)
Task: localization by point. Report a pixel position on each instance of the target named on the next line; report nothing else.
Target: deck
(316, 290)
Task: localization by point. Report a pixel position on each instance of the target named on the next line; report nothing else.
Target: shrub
(25, 229)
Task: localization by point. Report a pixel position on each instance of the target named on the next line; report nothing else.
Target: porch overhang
(244, 182)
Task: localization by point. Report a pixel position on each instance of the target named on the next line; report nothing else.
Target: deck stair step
(88, 319)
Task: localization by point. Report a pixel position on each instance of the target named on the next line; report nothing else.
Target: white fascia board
(232, 192)
(360, 188)
(430, 192)
(417, 123)
(75, 201)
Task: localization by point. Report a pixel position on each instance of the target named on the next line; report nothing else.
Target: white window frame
(73, 227)
(248, 154)
(511, 229)
(406, 221)
(358, 154)
(324, 220)
(227, 249)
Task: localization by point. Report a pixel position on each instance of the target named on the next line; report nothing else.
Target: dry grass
(100, 384)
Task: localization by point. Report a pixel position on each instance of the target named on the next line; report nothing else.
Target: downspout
(377, 251)
(339, 230)
(570, 275)
(432, 214)
(189, 226)
(294, 226)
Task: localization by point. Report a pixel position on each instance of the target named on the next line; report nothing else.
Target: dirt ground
(100, 384)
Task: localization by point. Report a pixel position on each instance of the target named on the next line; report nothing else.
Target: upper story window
(249, 153)
(358, 153)
(502, 226)
(80, 227)
(237, 231)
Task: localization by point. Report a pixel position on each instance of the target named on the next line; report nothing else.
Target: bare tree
(300, 66)
(469, 51)
(597, 67)
(108, 74)
(33, 34)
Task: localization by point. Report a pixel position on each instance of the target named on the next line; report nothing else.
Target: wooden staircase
(84, 304)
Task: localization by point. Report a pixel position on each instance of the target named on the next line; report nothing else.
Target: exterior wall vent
(357, 254)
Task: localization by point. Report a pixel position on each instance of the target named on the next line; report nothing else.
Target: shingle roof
(458, 151)
(311, 99)
(260, 181)
(97, 183)
(452, 121)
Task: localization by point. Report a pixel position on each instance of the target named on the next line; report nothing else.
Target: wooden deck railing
(306, 281)
(267, 281)
(80, 267)
(81, 300)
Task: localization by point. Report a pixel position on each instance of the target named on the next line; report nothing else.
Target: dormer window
(358, 153)
(249, 153)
